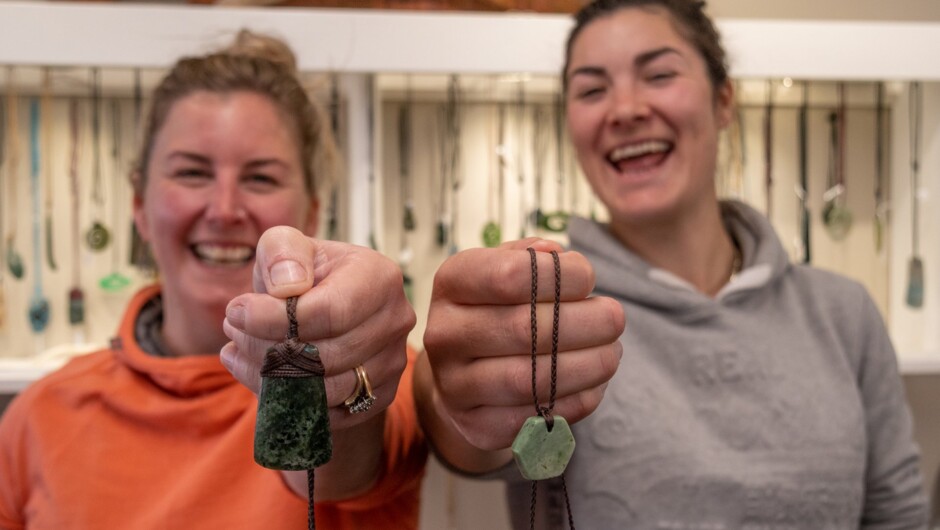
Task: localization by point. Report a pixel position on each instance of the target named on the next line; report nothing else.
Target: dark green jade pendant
(541, 453)
(293, 424)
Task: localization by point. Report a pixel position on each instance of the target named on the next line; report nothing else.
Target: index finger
(504, 276)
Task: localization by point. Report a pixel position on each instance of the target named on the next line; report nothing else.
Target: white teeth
(642, 148)
(224, 254)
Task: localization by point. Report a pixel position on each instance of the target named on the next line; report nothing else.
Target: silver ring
(362, 397)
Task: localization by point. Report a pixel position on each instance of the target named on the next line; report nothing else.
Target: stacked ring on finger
(362, 397)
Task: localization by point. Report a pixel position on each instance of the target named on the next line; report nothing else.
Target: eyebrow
(200, 159)
(641, 60)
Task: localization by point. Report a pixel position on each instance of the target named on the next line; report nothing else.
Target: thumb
(283, 262)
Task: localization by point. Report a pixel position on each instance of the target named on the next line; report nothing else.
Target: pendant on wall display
(97, 237)
(46, 111)
(557, 221)
(14, 261)
(837, 217)
(140, 255)
(802, 191)
(915, 267)
(450, 159)
(115, 281)
(492, 233)
(38, 305)
(76, 298)
(769, 150)
(880, 220)
(3, 141)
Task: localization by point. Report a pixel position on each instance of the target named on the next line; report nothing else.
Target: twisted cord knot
(292, 358)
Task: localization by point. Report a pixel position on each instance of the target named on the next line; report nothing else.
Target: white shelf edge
(360, 41)
(920, 364)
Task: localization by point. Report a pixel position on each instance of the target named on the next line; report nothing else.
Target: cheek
(288, 209)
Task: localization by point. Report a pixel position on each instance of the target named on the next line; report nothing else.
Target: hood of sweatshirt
(622, 274)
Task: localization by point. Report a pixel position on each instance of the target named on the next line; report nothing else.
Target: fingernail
(227, 356)
(235, 314)
(286, 272)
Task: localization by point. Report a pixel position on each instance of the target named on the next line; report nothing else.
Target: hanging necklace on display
(38, 305)
(540, 140)
(404, 161)
(493, 231)
(46, 112)
(140, 256)
(802, 189)
(452, 134)
(915, 267)
(76, 296)
(836, 216)
(442, 229)
(881, 203)
(332, 223)
(370, 157)
(3, 148)
(557, 221)
(97, 236)
(292, 430)
(544, 445)
(406, 254)
(115, 281)
(520, 157)
(448, 152)
(13, 258)
(769, 150)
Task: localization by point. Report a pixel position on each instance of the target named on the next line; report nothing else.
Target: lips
(227, 255)
(640, 155)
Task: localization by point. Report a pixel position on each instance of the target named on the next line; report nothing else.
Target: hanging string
(915, 112)
(546, 412)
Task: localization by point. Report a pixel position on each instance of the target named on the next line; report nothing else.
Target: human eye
(191, 175)
(661, 75)
(587, 91)
(261, 181)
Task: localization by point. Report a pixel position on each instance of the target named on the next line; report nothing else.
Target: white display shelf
(16, 373)
(920, 364)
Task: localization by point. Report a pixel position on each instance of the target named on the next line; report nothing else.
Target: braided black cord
(311, 517)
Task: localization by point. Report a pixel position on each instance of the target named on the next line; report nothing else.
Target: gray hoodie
(775, 405)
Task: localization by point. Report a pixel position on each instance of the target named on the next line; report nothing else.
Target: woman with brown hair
(746, 391)
(154, 432)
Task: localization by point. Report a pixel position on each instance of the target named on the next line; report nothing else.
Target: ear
(312, 222)
(140, 220)
(724, 104)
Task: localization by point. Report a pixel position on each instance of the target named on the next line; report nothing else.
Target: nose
(629, 105)
(225, 203)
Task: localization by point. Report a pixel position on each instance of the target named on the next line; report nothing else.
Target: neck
(694, 246)
(189, 333)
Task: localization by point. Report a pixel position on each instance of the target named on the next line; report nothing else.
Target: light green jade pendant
(541, 453)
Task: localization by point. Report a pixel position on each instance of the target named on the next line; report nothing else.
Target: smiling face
(643, 116)
(223, 169)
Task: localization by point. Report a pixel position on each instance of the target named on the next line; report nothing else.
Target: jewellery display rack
(492, 56)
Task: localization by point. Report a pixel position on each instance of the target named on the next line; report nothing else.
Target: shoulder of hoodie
(72, 376)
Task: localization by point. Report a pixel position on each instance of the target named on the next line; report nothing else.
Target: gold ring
(362, 397)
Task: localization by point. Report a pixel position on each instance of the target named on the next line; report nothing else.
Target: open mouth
(223, 255)
(639, 156)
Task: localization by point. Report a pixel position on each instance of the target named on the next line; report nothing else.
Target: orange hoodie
(120, 439)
